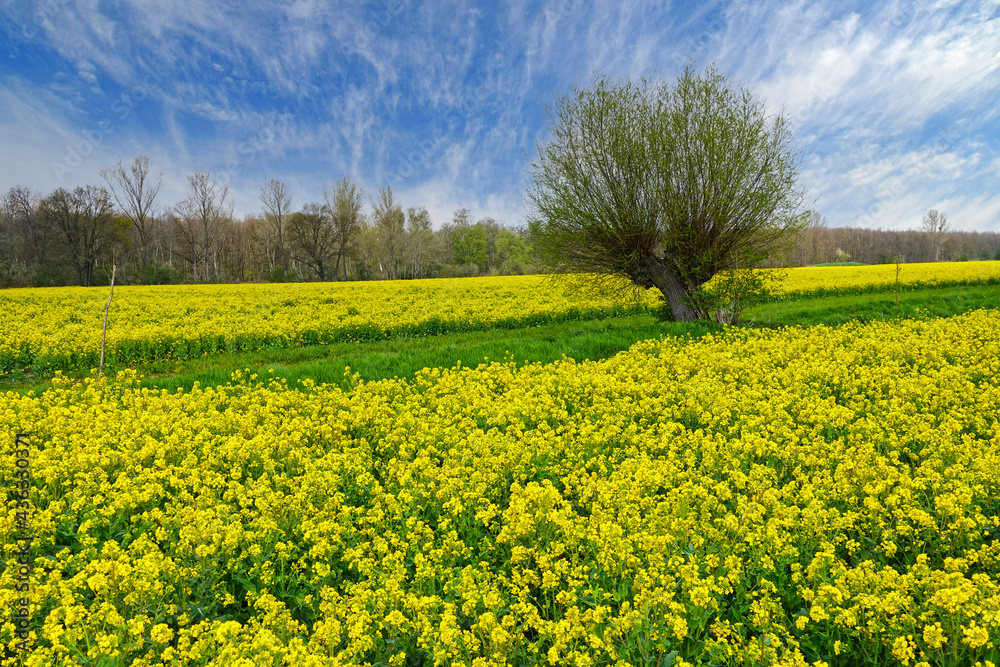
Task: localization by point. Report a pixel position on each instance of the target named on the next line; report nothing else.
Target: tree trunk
(143, 245)
(673, 291)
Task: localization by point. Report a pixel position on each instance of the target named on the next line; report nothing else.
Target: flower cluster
(785, 497)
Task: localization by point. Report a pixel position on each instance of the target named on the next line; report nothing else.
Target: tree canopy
(663, 185)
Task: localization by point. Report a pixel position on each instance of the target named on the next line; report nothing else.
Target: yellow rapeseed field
(60, 328)
(834, 278)
(787, 497)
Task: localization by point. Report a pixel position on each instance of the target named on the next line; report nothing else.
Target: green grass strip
(832, 310)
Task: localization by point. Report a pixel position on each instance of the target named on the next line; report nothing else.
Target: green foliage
(8, 272)
(277, 275)
(52, 276)
(388, 226)
(469, 246)
(729, 293)
(663, 313)
(158, 274)
(469, 270)
(664, 185)
(491, 248)
(513, 253)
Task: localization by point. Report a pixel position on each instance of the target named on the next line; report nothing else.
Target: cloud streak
(894, 107)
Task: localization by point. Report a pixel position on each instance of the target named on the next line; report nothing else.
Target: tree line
(933, 241)
(74, 237)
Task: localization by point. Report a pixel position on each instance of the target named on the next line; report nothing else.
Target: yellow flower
(934, 636)
(700, 596)
(680, 627)
(975, 635)
(902, 649)
(161, 633)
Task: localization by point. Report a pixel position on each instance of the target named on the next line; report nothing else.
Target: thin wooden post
(899, 267)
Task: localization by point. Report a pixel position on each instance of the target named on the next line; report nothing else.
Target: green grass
(591, 339)
(402, 357)
(594, 339)
(834, 310)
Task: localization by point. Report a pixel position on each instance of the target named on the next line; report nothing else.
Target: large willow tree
(663, 185)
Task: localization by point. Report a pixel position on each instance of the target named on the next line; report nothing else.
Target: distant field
(873, 277)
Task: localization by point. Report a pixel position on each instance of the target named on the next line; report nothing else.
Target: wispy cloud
(894, 105)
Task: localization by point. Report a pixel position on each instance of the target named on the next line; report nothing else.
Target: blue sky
(895, 107)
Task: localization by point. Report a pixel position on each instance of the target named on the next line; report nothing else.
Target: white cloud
(902, 93)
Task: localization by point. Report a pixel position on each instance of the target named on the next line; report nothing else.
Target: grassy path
(834, 310)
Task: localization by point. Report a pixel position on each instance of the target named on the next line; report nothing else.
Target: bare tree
(201, 214)
(89, 226)
(11, 262)
(31, 234)
(183, 245)
(343, 201)
(236, 248)
(312, 238)
(260, 247)
(419, 240)
(389, 222)
(813, 242)
(936, 225)
(277, 205)
(135, 191)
